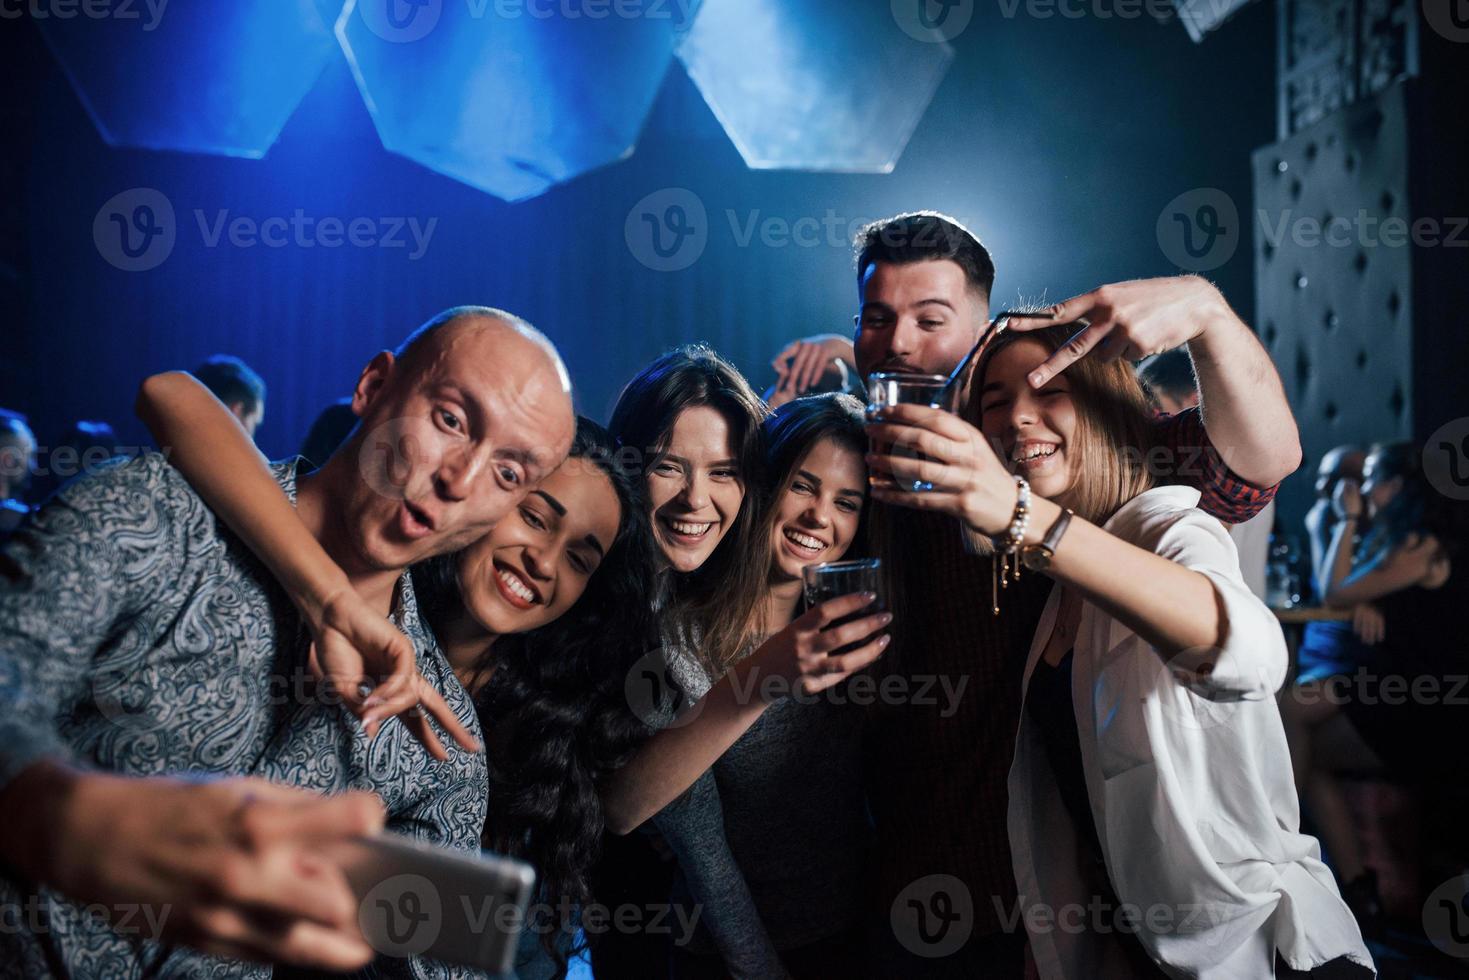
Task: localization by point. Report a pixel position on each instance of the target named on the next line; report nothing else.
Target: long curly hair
(553, 708)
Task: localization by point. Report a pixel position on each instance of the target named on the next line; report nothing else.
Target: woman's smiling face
(534, 565)
(1034, 429)
(816, 516)
(695, 488)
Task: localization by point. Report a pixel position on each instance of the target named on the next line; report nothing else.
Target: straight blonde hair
(1114, 432)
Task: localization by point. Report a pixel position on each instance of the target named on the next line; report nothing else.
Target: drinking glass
(886, 388)
(834, 579)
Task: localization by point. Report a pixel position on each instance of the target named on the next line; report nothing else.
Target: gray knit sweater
(771, 840)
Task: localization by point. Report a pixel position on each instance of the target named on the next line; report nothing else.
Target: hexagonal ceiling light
(510, 96)
(827, 85)
(198, 77)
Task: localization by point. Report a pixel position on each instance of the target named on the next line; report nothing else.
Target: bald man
(163, 756)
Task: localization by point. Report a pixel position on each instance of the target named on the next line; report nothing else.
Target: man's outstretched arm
(1245, 412)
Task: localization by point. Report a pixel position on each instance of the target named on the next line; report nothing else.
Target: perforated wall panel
(1333, 273)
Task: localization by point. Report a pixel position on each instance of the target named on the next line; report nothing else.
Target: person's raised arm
(1191, 606)
(1245, 412)
(354, 644)
(679, 754)
(801, 363)
(206, 443)
(1315, 522)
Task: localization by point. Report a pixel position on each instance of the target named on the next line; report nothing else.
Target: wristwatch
(1038, 556)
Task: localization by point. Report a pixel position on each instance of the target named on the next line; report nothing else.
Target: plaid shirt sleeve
(1197, 463)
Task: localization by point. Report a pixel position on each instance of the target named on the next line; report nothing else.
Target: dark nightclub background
(1058, 140)
(1084, 141)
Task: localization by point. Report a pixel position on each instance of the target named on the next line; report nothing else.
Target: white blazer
(1190, 784)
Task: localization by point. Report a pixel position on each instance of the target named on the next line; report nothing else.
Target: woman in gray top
(771, 831)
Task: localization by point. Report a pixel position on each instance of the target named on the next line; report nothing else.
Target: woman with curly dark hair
(542, 619)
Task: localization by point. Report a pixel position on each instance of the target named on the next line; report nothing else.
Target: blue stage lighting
(828, 85)
(510, 96)
(199, 77)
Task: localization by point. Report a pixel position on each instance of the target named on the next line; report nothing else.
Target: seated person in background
(1398, 710)
(233, 382)
(330, 430)
(1331, 648)
(17, 461)
(1342, 463)
(165, 731)
(84, 447)
(1169, 378)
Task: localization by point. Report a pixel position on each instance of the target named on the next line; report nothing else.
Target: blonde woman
(1153, 821)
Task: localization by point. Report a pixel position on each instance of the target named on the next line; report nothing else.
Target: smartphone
(414, 899)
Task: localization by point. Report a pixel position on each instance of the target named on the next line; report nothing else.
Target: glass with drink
(834, 579)
(886, 388)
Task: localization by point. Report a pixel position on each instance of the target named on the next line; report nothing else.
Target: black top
(1049, 705)
(1048, 702)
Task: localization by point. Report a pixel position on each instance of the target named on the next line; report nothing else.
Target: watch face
(1037, 557)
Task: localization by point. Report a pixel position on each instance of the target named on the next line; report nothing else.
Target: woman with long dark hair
(698, 425)
(539, 619)
(759, 794)
(771, 839)
(1406, 567)
(1150, 769)
(691, 422)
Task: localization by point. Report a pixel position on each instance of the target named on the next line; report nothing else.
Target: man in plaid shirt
(944, 899)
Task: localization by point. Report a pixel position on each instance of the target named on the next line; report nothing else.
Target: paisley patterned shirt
(138, 635)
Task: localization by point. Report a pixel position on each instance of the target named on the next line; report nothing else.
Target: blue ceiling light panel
(510, 96)
(824, 85)
(188, 75)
